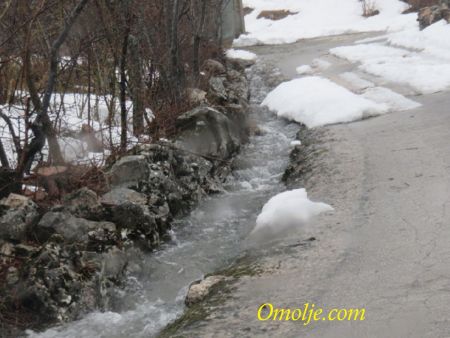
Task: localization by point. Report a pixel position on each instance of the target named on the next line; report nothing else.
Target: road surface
(386, 248)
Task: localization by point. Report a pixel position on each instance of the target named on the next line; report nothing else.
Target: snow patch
(286, 212)
(241, 54)
(423, 71)
(304, 70)
(321, 64)
(316, 101)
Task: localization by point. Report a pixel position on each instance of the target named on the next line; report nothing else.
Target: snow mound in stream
(286, 212)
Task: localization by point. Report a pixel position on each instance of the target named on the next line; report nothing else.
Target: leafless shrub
(369, 8)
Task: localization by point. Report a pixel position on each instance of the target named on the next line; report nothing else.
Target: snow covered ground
(315, 18)
(425, 70)
(70, 111)
(409, 60)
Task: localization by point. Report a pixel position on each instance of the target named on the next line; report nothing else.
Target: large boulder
(217, 92)
(213, 68)
(130, 211)
(71, 228)
(209, 133)
(18, 215)
(84, 203)
(196, 96)
(129, 170)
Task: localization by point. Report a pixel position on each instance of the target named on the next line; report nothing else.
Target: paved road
(387, 246)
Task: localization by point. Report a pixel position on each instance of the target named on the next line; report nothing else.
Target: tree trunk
(174, 49)
(42, 126)
(123, 93)
(197, 41)
(136, 86)
(3, 158)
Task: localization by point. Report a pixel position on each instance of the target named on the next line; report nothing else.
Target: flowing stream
(207, 240)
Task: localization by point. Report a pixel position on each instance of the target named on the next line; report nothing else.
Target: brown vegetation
(369, 8)
(276, 14)
(144, 52)
(418, 4)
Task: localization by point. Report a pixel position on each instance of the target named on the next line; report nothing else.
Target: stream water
(206, 241)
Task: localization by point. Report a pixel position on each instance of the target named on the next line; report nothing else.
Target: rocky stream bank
(59, 263)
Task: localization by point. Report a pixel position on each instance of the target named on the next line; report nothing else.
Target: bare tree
(42, 126)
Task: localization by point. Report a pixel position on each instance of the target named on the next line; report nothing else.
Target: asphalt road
(386, 248)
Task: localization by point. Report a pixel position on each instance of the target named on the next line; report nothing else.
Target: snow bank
(315, 18)
(286, 212)
(433, 40)
(423, 71)
(316, 101)
(241, 54)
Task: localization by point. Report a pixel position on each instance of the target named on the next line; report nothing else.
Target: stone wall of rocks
(58, 264)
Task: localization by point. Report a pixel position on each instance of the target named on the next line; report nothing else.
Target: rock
(119, 196)
(23, 250)
(138, 224)
(432, 14)
(61, 282)
(129, 170)
(196, 96)
(51, 288)
(20, 214)
(84, 203)
(12, 276)
(213, 68)
(6, 250)
(71, 228)
(208, 132)
(199, 290)
(114, 263)
(238, 88)
(217, 92)
(129, 210)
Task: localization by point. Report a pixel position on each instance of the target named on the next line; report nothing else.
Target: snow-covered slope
(315, 18)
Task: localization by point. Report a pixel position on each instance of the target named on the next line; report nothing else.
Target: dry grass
(275, 15)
